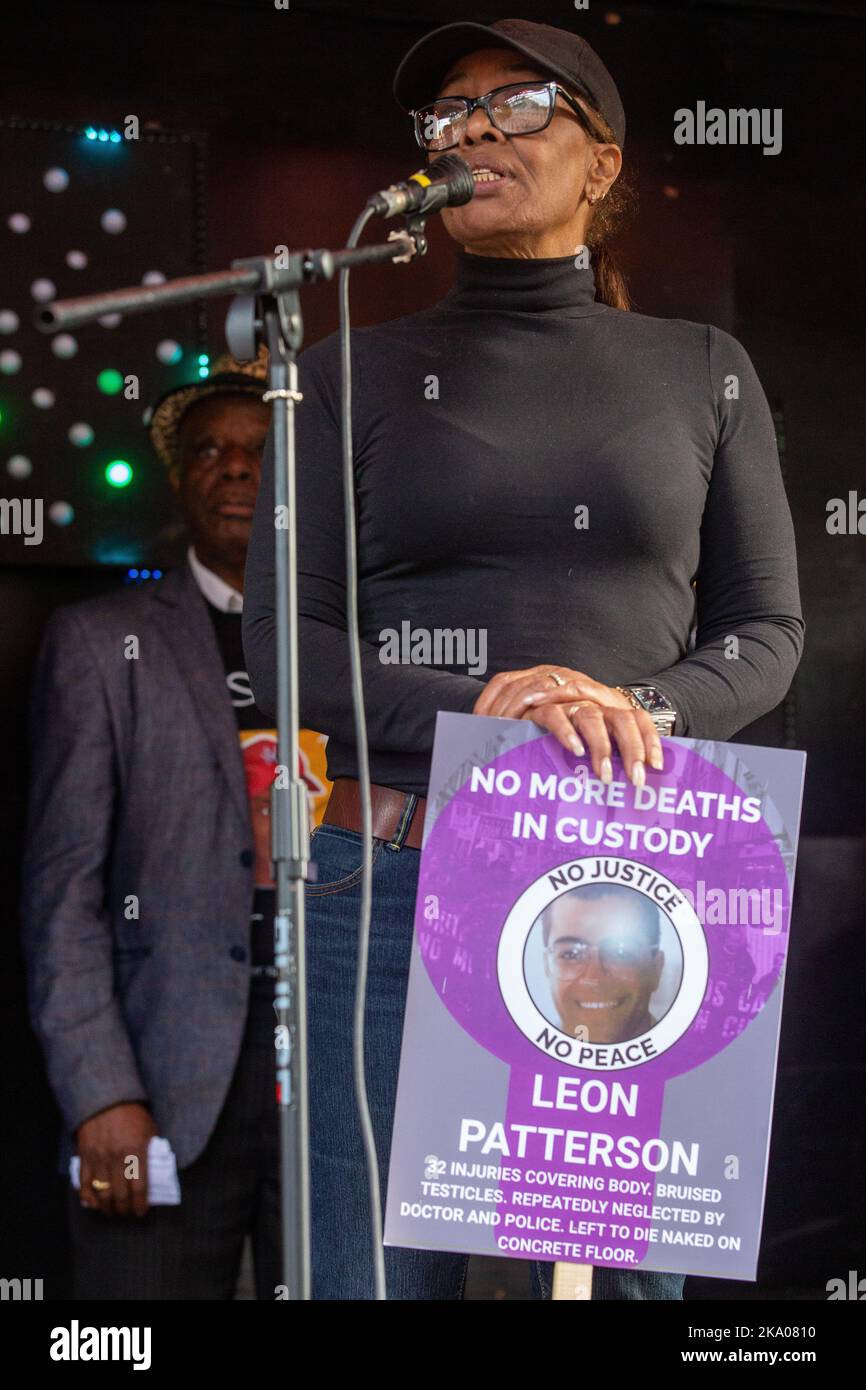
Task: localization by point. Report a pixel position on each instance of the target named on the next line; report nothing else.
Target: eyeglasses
(521, 108)
(571, 958)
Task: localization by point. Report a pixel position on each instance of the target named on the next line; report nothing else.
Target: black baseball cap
(559, 52)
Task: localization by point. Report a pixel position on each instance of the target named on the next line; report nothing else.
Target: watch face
(652, 700)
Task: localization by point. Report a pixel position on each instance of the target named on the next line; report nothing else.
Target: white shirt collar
(215, 590)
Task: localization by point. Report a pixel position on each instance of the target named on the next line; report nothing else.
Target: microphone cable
(363, 760)
(457, 187)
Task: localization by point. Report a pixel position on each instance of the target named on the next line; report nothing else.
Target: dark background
(295, 112)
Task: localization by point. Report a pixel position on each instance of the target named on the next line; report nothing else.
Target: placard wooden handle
(572, 1281)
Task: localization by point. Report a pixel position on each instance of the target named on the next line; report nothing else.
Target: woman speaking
(591, 497)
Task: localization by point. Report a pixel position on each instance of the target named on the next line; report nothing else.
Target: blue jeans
(342, 1267)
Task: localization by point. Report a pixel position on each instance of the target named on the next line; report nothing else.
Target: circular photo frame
(643, 984)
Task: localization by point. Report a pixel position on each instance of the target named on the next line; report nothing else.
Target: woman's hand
(579, 711)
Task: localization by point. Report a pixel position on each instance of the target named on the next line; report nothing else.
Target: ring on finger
(556, 678)
(579, 705)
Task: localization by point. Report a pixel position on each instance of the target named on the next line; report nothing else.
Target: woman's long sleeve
(750, 630)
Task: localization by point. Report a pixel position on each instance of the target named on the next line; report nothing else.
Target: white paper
(163, 1185)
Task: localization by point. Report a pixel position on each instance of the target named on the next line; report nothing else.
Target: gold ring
(100, 1185)
(580, 704)
(556, 678)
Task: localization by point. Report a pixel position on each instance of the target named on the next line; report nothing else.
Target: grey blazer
(138, 868)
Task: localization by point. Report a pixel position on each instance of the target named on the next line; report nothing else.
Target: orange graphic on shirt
(259, 752)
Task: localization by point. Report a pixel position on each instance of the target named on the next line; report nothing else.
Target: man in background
(148, 892)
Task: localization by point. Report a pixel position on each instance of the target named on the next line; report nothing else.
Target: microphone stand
(267, 309)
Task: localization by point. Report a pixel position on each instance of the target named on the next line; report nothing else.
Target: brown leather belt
(391, 809)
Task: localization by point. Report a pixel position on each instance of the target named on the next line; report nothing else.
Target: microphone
(447, 182)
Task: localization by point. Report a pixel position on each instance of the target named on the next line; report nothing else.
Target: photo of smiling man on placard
(597, 965)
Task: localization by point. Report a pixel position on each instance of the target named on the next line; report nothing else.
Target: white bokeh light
(18, 222)
(43, 398)
(80, 434)
(61, 513)
(76, 260)
(10, 362)
(113, 221)
(55, 180)
(64, 345)
(43, 290)
(19, 466)
(168, 351)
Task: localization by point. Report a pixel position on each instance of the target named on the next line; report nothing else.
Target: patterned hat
(227, 377)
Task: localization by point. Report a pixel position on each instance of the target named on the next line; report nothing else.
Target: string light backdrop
(86, 209)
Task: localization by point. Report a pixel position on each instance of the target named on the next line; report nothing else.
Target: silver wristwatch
(657, 705)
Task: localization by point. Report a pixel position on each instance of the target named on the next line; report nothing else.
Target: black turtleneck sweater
(581, 485)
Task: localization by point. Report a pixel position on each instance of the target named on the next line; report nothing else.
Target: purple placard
(594, 1003)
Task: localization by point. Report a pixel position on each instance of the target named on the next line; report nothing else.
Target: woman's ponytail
(610, 285)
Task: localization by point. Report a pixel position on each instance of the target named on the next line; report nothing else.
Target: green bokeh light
(110, 381)
(118, 473)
